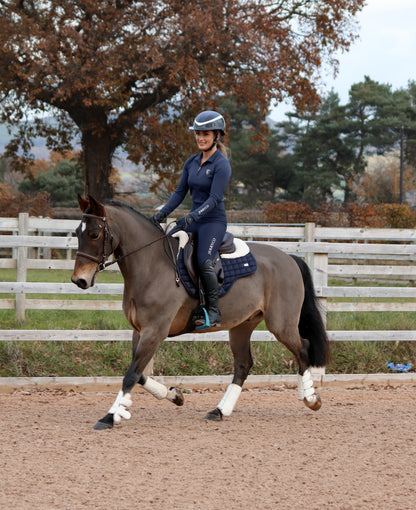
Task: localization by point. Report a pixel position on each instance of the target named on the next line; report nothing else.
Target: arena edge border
(113, 384)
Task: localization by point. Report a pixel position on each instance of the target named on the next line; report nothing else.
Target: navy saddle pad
(234, 266)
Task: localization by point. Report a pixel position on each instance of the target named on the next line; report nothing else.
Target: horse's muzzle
(80, 282)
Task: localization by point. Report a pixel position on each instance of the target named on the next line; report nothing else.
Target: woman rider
(206, 176)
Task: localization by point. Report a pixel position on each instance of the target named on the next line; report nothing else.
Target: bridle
(108, 240)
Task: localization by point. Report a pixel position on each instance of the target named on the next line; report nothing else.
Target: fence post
(320, 279)
(21, 265)
(309, 238)
(69, 251)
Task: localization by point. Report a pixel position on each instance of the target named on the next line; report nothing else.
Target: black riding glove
(159, 217)
(183, 223)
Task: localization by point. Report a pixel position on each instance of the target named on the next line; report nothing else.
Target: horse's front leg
(143, 352)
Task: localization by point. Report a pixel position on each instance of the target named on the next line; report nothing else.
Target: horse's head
(94, 243)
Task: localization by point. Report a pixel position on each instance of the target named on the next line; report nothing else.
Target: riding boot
(210, 285)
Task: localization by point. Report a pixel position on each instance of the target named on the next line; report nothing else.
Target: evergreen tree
(63, 182)
(257, 163)
(323, 158)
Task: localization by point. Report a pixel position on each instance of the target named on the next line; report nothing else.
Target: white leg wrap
(308, 389)
(300, 387)
(119, 408)
(229, 400)
(155, 388)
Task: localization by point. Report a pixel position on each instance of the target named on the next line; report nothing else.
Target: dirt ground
(357, 452)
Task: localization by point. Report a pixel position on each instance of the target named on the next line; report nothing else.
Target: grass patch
(82, 359)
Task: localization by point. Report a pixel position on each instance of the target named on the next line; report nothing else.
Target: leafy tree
(118, 72)
(11, 204)
(63, 182)
(380, 183)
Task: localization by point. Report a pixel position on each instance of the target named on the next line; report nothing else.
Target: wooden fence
(343, 253)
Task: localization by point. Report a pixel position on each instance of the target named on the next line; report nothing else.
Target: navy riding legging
(209, 239)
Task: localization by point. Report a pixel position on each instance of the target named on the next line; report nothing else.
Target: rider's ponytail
(223, 149)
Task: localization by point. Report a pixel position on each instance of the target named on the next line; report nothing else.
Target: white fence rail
(371, 254)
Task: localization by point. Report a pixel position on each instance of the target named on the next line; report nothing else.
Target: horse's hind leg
(299, 347)
(306, 390)
(240, 346)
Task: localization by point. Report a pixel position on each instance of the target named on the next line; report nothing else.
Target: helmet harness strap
(214, 143)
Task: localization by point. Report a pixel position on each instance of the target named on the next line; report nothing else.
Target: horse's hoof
(105, 423)
(176, 396)
(215, 415)
(314, 404)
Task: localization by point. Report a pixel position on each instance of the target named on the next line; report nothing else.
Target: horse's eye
(94, 235)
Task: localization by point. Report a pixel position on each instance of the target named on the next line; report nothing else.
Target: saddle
(233, 260)
(189, 256)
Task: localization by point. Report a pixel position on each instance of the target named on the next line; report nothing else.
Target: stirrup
(203, 323)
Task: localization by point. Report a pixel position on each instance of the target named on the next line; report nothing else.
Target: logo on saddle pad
(233, 261)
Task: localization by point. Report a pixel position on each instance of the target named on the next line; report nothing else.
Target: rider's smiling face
(204, 139)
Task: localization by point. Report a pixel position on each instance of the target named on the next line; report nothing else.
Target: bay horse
(156, 304)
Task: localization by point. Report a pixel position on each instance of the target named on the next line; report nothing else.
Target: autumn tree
(117, 73)
(380, 183)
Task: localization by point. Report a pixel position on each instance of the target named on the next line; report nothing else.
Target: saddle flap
(227, 245)
(188, 258)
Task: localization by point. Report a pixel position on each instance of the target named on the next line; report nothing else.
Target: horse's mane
(117, 203)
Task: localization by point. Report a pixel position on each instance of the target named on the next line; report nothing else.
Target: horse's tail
(311, 324)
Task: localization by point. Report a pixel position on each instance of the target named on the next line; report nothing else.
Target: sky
(385, 50)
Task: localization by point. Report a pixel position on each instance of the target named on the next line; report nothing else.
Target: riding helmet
(209, 121)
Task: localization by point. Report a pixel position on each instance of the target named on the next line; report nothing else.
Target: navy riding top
(207, 184)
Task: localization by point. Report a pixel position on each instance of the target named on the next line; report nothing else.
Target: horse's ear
(97, 207)
(83, 203)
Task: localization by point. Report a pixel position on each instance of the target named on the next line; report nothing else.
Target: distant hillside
(39, 145)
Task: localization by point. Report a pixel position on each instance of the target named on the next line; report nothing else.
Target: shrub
(289, 212)
(397, 215)
(11, 205)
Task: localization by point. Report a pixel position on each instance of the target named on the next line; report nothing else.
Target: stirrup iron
(207, 324)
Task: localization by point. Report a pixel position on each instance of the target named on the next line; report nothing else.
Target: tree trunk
(98, 150)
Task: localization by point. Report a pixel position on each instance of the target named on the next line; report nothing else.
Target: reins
(102, 264)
